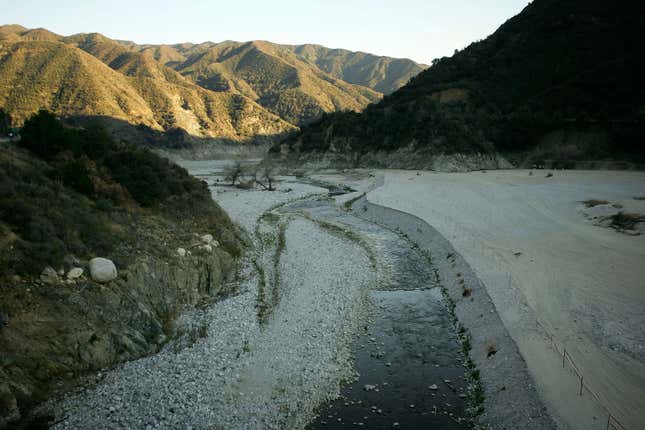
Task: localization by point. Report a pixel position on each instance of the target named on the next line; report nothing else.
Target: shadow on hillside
(177, 142)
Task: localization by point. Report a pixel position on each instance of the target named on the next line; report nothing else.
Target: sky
(417, 29)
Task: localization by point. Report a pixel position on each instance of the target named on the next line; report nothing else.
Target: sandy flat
(550, 270)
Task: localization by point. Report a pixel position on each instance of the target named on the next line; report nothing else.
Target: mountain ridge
(71, 82)
(256, 73)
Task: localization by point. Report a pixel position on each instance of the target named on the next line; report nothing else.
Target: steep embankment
(66, 197)
(559, 83)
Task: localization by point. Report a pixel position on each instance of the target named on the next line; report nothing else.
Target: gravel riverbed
(332, 313)
(230, 369)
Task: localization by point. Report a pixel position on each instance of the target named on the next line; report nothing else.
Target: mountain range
(561, 83)
(230, 91)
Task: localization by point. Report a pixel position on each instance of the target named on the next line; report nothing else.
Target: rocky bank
(59, 333)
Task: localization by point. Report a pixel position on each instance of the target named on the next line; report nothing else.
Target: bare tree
(233, 172)
(267, 177)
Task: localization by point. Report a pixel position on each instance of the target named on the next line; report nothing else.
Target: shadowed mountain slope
(563, 81)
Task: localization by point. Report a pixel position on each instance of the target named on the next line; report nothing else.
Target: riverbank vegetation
(71, 193)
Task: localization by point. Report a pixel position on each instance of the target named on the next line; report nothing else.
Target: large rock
(102, 270)
(49, 276)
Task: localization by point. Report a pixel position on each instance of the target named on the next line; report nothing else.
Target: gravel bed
(246, 206)
(228, 370)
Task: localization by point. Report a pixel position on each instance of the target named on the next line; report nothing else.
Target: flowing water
(409, 360)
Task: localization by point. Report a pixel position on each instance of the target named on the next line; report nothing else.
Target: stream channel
(408, 357)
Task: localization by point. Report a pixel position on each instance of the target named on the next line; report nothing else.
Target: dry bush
(594, 202)
(266, 177)
(491, 348)
(623, 221)
(233, 172)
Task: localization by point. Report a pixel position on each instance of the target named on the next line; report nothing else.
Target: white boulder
(181, 252)
(49, 276)
(75, 273)
(102, 270)
(207, 238)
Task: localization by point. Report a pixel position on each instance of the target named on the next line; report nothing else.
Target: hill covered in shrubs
(67, 196)
(562, 81)
(75, 193)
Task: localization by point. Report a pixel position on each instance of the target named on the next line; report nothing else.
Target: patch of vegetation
(594, 202)
(270, 217)
(233, 172)
(265, 176)
(262, 305)
(350, 235)
(624, 221)
(279, 250)
(476, 395)
(74, 192)
(5, 123)
(349, 203)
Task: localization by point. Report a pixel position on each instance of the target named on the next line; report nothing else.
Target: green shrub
(5, 123)
(50, 219)
(43, 135)
(75, 175)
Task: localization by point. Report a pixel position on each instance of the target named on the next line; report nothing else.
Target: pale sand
(585, 284)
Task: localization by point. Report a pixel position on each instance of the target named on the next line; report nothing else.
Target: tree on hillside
(5, 123)
(43, 134)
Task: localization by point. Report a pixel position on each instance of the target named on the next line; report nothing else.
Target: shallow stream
(408, 359)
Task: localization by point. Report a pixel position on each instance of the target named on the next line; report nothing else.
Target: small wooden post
(564, 354)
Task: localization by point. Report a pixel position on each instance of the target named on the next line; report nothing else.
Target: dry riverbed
(338, 320)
